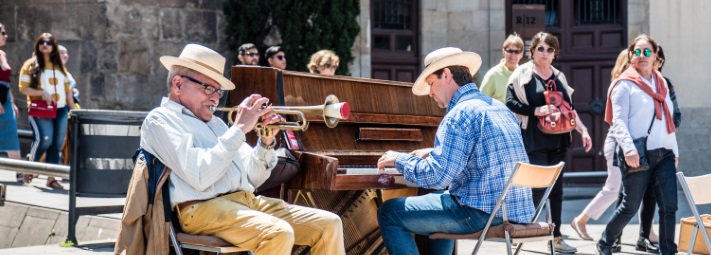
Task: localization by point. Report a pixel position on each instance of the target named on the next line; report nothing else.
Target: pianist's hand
(249, 112)
(388, 159)
(422, 153)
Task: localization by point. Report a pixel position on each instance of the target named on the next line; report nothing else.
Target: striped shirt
(476, 149)
(206, 158)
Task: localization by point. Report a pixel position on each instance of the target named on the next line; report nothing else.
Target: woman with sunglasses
(9, 142)
(495, 80)
(611, 190)
(640, 95)
(324, 62)
(43, 77)
(526, 99)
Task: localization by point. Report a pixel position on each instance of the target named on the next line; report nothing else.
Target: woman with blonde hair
(43, 77)
(323, 62)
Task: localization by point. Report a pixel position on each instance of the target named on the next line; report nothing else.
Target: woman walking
(525, 97)
(640, 96)
(43, 77)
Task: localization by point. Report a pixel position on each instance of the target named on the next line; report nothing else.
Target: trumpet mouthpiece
(213, 108)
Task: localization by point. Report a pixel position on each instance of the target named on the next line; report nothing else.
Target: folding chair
(201, 243)
(178, 239)
(529, 176)
(697, 190)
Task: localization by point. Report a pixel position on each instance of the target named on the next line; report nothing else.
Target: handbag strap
(649, 130)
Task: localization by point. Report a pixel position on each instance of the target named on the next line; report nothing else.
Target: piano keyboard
(368, 171)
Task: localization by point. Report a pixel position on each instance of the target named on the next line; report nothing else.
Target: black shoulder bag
(641, 145)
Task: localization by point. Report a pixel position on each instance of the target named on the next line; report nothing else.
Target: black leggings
(548, 158)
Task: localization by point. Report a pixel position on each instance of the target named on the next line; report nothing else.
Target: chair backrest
(534, 176)
(698, 187)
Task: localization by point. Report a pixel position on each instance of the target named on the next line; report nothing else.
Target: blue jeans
(49, 136)
(661, 175)
(425, 215)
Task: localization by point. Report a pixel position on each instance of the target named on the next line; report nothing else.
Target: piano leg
(358, 210)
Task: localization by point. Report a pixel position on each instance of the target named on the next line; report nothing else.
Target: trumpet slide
(332, 111)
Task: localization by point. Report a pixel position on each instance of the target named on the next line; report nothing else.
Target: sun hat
(442, 58)
(202, 60)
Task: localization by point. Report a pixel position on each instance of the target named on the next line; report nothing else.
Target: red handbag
(559, 122)
(40, 109)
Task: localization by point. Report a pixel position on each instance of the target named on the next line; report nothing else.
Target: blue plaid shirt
(475, 151)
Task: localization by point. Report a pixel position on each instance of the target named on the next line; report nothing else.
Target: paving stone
(12, 215)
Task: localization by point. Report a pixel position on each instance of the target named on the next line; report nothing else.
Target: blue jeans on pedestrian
(49, 136)
(661, 175)
(437, 212)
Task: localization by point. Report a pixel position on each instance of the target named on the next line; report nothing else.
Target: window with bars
(552, 10)
(597, 12)
(392, 14)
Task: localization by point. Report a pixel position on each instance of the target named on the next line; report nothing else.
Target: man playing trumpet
(215, 172)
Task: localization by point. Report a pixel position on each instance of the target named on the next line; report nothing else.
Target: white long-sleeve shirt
(632, 111)
(206, 158)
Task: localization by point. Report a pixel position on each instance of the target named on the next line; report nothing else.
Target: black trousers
(548, 158)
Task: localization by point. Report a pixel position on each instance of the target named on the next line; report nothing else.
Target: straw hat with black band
(202, 60)
(442, 58)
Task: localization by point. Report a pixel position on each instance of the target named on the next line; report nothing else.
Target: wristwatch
(266, 147)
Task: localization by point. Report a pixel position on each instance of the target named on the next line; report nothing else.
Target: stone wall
(477, 26)
(114, 45)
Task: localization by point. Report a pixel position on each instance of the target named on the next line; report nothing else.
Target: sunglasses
(252, 54)
(512, 51)
(329, 66)
(646, 52)
(542, 49)
(280, 57)
(47, 42)
(209, 90)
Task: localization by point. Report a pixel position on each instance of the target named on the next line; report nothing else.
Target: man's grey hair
(177, 70)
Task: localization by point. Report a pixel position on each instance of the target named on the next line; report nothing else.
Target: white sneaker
(562, 247)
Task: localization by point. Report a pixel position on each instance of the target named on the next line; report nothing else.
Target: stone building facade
(114, 46)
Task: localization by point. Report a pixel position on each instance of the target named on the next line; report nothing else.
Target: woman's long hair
(623, 61)
(38, 65)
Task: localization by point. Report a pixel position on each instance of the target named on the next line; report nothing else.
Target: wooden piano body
(385, 115)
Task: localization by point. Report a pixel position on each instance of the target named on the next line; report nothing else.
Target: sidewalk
(576, 199)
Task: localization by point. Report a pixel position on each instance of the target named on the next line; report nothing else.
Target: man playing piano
(214, 171)
(476, 148)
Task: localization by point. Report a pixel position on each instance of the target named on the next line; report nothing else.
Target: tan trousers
(264, 225)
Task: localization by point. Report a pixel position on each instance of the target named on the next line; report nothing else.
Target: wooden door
(591, 34)
(395, 41)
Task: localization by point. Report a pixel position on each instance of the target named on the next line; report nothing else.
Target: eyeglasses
(251, 54)
(280, 57)
(209, 90)
(329, 66)
(638, 52)
(542, 49)
(46, 41)
(512, 51)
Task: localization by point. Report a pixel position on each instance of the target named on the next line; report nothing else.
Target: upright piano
(338, 164)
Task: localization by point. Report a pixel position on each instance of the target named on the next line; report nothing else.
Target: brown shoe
(54, 184)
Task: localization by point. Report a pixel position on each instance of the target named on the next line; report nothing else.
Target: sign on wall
(528, 19)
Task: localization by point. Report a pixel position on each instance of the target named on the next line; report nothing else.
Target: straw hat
(442, 58)
(202, 60)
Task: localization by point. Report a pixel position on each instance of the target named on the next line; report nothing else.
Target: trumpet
(332, 111)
